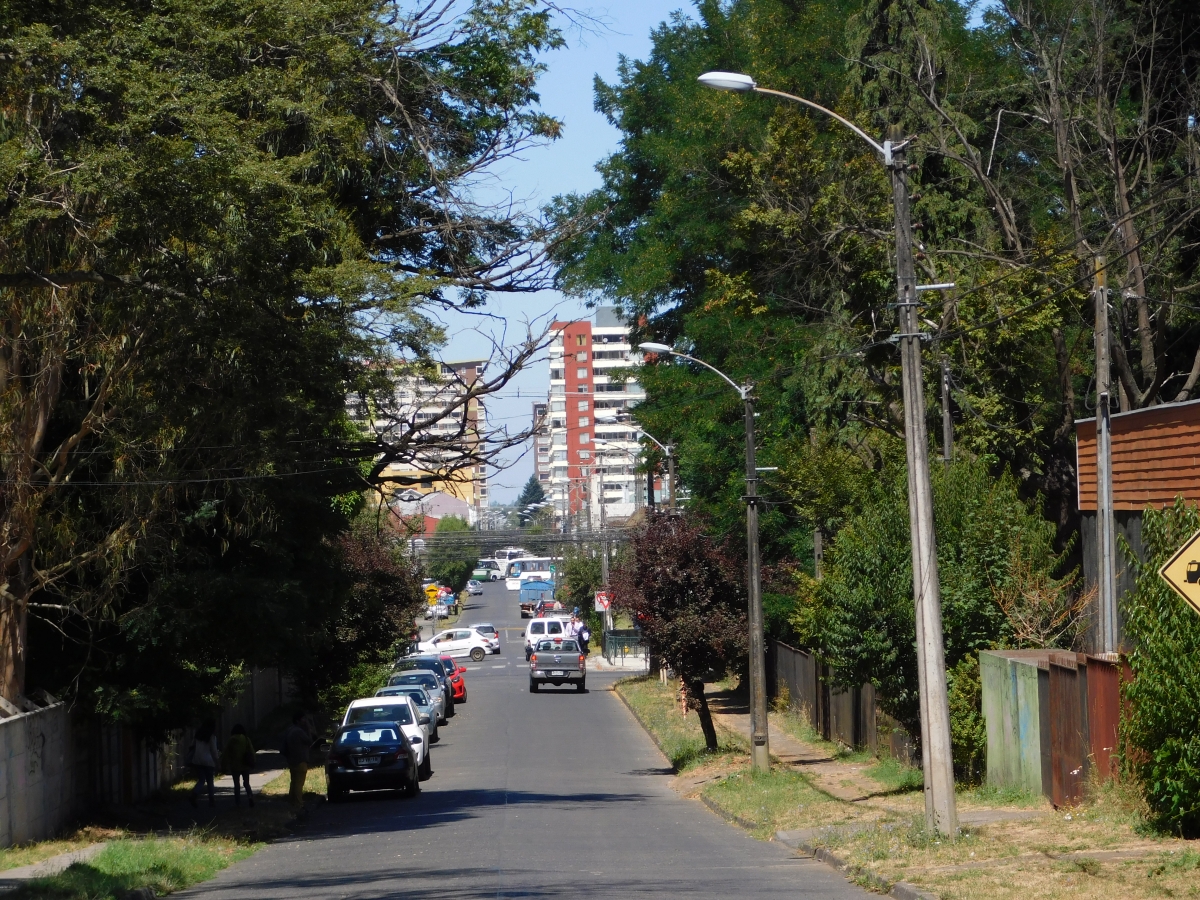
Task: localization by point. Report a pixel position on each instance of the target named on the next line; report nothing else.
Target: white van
(541, 629)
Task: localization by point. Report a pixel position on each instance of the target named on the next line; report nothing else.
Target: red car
(458, 684)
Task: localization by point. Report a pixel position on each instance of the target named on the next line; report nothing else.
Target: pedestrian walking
(203, 759)
(238, 760)
(297, 742)
(585, 635)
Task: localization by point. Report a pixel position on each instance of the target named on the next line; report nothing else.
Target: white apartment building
(593, 441)
(418, 400)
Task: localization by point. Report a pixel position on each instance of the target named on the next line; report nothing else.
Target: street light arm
(829, 112)
(742, 391)
(661, 446)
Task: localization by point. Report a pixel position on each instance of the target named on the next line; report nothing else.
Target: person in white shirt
(203, 757)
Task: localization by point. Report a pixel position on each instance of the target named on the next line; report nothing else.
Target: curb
(645, 728)
(901, 890)
(728, 816)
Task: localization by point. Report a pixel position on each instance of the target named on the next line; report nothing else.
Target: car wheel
(533, 686)
(580, 686)
(425, 770)
(477, 654)
(336, 793)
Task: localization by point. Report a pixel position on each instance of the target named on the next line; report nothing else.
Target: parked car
(427, 679)
(404, 713)
(457, 642)
(549, 627)
(458, 684)
(431, 661)
(437, 611)
(557, 663)
(426, 705)
(489, 633)
(474, 588)
(368, 756)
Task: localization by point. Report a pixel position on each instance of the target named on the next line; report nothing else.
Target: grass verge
(30, 854)
(678, 736)
(1026, 851)
(164, 865)
(314, 783)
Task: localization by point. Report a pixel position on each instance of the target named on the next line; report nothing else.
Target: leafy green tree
(192, 287)
(1162, 731)
(532, 492)
(453, 558)
(682, 589)
(220, 215)
(859, 617)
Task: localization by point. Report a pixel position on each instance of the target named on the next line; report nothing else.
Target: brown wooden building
(1155, 458)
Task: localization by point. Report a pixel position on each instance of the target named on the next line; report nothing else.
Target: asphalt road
(555, 794)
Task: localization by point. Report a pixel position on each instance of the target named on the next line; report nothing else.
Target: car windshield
(486, 629)
(379, 734)
(425, 681)
(379, 712)
(569, 646)
(419, 697)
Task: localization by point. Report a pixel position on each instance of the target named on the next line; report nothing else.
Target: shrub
(968, 733)
(1162, 731)
(992, 544)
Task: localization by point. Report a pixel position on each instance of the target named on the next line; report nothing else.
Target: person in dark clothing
(238, 760)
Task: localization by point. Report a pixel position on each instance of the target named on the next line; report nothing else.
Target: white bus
(529, 568)
(508, 553)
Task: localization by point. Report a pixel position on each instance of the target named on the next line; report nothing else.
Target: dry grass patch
(678, 736)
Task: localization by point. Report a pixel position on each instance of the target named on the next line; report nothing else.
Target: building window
(583, 421)
(585, 454)
(585, 438)
(581, 356)
(581, 340)
(583, 389)
(584, 405)
(558, 406)
(581, 373)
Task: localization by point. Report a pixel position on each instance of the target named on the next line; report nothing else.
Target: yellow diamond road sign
(1182, 572)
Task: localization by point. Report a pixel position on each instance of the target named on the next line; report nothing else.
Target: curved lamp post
(940, 812)
(760, 755)
(670, 466)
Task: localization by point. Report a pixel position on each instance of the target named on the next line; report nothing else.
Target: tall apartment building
(541, 442)
(422, 400)
(593, 440)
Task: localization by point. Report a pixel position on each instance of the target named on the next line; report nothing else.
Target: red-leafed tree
(685, 592)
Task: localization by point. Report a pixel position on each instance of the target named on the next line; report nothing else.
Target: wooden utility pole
(760, 753)
(940, 809)
(1105, 539)
(947, 422)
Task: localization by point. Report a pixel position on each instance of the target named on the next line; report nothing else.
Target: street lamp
(940, 813)
(670, 466)
(760, 755)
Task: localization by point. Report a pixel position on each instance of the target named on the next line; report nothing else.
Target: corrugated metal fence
(1050, 716)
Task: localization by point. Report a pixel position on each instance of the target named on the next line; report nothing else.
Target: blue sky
(566, 166)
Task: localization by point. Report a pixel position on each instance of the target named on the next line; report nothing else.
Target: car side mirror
(424, 720)
(415, 740)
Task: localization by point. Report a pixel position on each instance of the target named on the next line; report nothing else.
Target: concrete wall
(39, 793)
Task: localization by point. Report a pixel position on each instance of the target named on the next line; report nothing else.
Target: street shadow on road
(375, 811)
